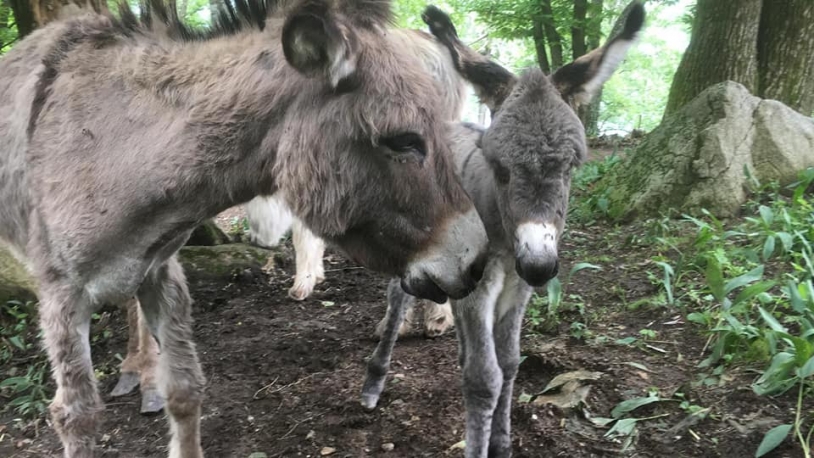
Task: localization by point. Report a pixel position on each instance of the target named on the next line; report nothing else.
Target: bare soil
(284, 377)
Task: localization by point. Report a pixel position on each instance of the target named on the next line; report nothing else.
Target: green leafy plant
(28, 393)
(546, 309)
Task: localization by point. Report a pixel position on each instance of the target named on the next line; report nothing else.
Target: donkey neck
(231, 96)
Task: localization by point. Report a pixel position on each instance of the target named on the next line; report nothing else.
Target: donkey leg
(309, 250)
(482, 377)
(65, 320)
(151, 400)
(129, 378)
(511, 305)
(397, 303)
(166, 305)
(437, 318)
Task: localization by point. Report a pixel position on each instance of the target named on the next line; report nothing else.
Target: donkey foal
(518, 173)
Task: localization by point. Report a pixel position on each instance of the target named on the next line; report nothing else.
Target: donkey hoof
(128, 381)
(438, 320)
(151, 402)
(437, 328)
(369, 401)
(300, 292)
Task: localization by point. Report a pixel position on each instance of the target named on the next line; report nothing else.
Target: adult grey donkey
(117, 139)
(518, 173)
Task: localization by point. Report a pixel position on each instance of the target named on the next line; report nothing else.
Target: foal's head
(535, 139)
(364, 153)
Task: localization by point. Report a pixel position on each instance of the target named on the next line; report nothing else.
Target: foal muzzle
(536, 259)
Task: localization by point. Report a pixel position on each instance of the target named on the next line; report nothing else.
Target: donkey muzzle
(536, 259)
(453, 264)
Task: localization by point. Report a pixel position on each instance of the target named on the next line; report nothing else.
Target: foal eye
(409, 142)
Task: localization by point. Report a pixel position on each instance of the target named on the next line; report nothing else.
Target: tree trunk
(578, 47)
(539, 44)
(786, 54)
(23, 17)
(552, 36)
(723, 47)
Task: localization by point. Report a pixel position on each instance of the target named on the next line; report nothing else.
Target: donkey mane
(235, 16)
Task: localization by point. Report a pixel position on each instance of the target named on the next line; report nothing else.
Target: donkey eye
(406, 143)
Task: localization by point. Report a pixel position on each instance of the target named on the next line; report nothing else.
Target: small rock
(388, 447)
(310, 434)
(327, 451)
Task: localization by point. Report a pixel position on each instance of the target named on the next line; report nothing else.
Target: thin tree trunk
(594, 27)
(786, 53)
(589, 113)
(552, 36)
(5, 12)
(723, 47)
(23, 17)
(539, 44)
(578, 46)
(46, 11)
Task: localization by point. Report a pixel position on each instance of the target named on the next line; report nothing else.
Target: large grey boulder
(698, 157)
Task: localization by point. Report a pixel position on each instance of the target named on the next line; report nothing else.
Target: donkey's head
(535, 139)
(364, 156)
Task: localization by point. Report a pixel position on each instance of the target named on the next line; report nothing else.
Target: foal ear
(492, 82)
(580, 80)
(317, 43)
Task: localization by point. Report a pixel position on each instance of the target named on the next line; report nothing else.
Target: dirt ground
(284, 377)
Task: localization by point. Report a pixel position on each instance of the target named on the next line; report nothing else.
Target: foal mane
(235, 16)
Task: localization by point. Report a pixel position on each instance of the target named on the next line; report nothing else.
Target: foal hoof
(128, 381)
(151, 402)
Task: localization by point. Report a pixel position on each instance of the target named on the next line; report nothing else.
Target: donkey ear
(492, 82)
(580, 80)
(317, 43)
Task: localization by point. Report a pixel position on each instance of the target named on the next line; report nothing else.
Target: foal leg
(166, 305)
(397, 302)
(65, 314)
(511, 306)
(309, 250)
(437, 318)
(129, 378)
(482, 376)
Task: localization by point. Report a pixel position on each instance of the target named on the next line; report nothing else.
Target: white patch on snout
(447, 261)
(536, 239)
